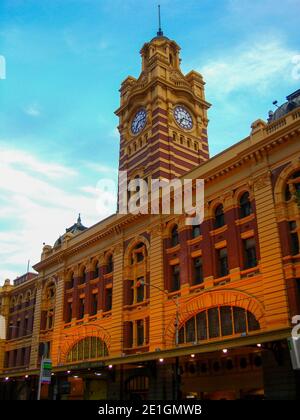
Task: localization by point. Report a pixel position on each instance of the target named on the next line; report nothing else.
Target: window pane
(239, 320)
(201, 326)
(190, 331)
(226, 320)
(213, 322)
(253, 324)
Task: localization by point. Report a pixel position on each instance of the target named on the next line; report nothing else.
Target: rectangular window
(223, 262)
(198, 271)
(69, 312)
(239, 316)
(175, 278)
(23, 354)
(226, 320)
(140, 290)
(81, 308)
(201, 326)
(294, 238)
(26, 332)
(213, 322)
(250, 253)
(18, 329)
(94, 306)
(108, 299)
(140, 332)
(190, 331)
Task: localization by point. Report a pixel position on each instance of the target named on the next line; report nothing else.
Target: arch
(133, 243)
(78, 334)
(286, 173)
(213, 205)
(88, 348)
(20, 299)
(211, 299)
(13, 302)
(170, 225)
(28, 296)
(219, 216)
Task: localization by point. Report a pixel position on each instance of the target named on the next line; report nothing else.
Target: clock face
(183, 118)
(139, 121)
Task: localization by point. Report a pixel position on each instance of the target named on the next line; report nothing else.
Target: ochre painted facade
(125, 284)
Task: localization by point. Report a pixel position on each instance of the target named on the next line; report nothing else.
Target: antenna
(160, 32)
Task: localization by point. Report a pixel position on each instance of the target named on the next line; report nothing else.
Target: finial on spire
(79, 219)
(160, 32)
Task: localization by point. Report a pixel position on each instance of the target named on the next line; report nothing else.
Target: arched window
(219, 217)
(138, 253)
(174, 236)
(87, 349)
(83, 276)
(110, 264)
(217, 322)
(245, 205)
(96, 270)
(71, 281)
(293, 186)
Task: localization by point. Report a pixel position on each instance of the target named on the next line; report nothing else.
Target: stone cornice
(115, 228)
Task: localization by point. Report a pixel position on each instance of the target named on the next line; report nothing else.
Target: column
(36, 327)
(58, 318)
(157, 296)
(116, 325)
(274, 285)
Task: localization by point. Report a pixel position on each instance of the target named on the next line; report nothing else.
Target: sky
(64, 63)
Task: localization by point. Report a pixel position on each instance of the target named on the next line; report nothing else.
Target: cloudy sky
(65, 60)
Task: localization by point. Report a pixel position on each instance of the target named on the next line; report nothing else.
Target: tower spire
(160, 32)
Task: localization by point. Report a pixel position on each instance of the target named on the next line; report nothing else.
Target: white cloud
(33, 110)
(102, 169)
(255, 64)
(23, 159)
(36, 209)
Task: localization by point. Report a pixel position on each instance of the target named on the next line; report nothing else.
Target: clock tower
(162, 116)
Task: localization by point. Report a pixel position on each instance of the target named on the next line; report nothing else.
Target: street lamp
(175, 300)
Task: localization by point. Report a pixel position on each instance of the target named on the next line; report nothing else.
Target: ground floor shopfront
(258, 371)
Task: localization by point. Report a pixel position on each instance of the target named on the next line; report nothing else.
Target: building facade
(147, 307)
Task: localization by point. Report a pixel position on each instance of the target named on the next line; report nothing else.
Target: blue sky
(65, 60)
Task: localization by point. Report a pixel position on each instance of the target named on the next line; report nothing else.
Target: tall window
(71, 281)
(108, 299)
(245, 205)
(81, 308)
(223, 262)
(83, 276)
(140, 332)
(110, 264)
(219, 217)
(175, 278)
(94, 304)
(174, 236)
(97, 270)
(140, 290)
(69, 312)
(250, 253)
(294, 238)
(198, 271)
